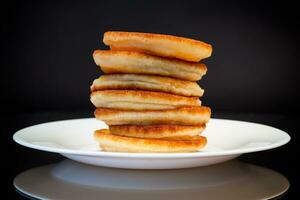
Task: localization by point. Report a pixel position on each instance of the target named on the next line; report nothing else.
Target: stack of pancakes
(148, 96)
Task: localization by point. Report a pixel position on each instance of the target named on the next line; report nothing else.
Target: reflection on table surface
(72, 180)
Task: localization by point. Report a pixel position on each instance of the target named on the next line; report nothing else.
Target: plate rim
(19, 141)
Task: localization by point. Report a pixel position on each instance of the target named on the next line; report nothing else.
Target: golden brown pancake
(171, 132)
(192, 115)
(140, 100)
(147, 82)
(114, 143)
(159, 45)
(128, 62)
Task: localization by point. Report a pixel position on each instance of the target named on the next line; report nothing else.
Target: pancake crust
(128, 62)
(140, 100)
(158, 44)
(171, 132)
(146, 82)
(113, 143)
(191, 115)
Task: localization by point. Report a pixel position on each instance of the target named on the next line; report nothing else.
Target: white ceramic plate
(227, 139)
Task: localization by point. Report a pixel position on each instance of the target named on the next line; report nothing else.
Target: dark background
(47, 65)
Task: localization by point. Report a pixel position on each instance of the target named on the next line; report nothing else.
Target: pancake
(113, 143)
(192, 115)
(159, 45)
(140, 100)
(171, 132)
(126, 62)
(147, 82)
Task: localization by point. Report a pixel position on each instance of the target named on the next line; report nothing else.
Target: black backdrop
(47, 65)
(48, 46)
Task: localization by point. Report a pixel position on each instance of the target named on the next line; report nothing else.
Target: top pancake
(128, 62)
(159, 45)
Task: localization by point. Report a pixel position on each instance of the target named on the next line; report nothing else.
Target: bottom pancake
(114, 143)
(170, 132)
